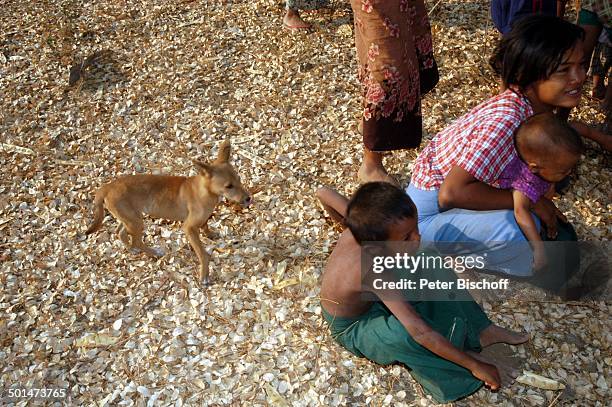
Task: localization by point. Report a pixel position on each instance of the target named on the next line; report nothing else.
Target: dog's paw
(212, 235)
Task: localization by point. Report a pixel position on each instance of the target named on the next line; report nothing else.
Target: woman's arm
(461, 189)
(604, 140)
(425, 336)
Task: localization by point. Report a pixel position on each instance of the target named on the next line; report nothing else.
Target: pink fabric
(517, 176)
(481, 142)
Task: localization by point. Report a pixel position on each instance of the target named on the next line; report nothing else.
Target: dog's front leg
(193, 235)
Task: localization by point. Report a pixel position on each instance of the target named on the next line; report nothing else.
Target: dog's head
(222, 179)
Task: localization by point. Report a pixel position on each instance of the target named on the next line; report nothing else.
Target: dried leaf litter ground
(171, 80)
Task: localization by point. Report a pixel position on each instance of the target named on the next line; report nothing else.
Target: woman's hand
(488, 374)
(548, 213)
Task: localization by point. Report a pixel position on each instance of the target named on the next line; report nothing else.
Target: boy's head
(533, 49)
(550, 147)
(379, 211)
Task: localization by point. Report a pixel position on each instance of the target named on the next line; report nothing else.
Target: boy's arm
(424, 335)
(604, 140)
(334, 203)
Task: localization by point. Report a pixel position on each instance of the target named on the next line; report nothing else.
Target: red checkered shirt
(481, 142)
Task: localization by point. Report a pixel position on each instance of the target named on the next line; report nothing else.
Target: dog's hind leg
(124, 235)
(134, 226)
(193, 235)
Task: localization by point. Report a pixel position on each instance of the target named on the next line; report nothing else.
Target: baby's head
(549, 146)
(379, 211)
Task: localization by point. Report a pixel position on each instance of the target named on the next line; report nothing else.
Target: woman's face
(563, 88)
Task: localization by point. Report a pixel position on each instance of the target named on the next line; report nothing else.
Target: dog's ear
(203, 168)
(224, 152)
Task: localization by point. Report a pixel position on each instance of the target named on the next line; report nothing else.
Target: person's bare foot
(507, 373)
(496, 334)
(374, 174)
(293, 21)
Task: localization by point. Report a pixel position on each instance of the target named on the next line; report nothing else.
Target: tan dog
(188, 199)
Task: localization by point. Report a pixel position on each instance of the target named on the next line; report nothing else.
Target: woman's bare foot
(496, 334)
(372, 169)
(293, 21)
(366, 174)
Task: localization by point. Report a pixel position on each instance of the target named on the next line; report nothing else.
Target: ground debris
(115, 328)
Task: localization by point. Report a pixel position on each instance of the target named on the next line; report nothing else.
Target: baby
(547, 151)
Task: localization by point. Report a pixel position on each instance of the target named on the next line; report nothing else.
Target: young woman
(456, 177)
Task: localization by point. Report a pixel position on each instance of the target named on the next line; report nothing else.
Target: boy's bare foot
(368, 174)
(293, 21)
(496, 334)
(506, 372)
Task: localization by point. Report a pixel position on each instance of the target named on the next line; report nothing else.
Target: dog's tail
(98, 209)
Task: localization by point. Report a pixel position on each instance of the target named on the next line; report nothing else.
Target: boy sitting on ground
(392, 331)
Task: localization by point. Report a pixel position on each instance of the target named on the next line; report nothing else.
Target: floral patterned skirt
(396, 67)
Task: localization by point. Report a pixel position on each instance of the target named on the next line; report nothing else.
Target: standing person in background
(505, 12)
(292, 19)
(600, 66)
(594, 17)
(396, 67)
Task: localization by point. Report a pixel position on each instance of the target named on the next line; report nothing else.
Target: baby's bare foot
(496, 334)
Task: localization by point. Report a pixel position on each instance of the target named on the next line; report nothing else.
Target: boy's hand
(488, 374)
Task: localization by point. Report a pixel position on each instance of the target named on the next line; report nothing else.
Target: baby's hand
(539, 259)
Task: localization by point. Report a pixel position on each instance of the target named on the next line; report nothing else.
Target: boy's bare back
(341, 286)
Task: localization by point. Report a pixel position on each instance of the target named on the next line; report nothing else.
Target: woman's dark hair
(533, 49)
(373, 208)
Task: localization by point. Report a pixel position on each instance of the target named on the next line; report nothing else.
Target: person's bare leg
(372, 169)
(599, 89)
(606, 105)
(334, 203)
(293, 20)
(496, 334)
(591, 36)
